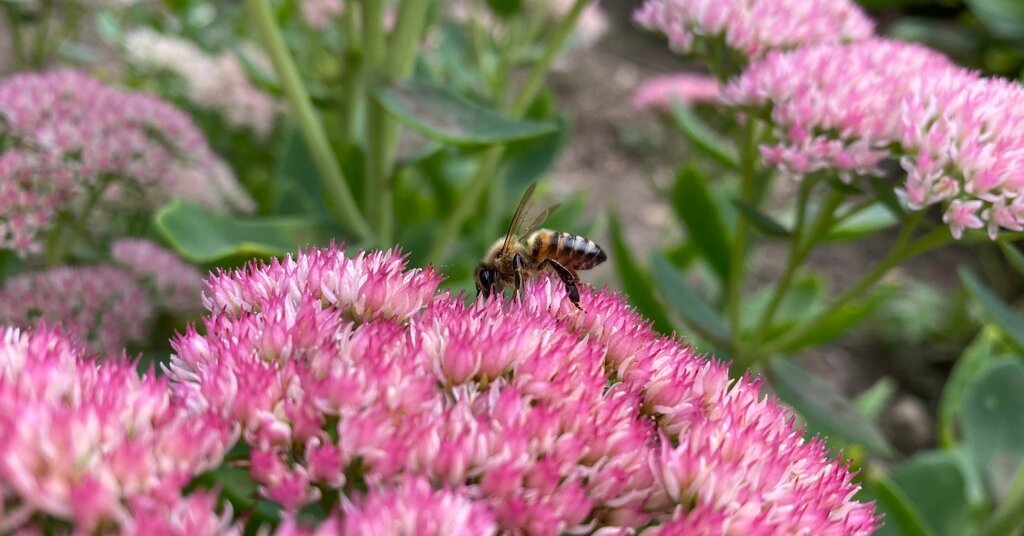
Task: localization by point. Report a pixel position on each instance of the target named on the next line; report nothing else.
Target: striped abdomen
(572, 251)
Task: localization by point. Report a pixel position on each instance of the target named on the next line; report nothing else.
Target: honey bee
(511, 260)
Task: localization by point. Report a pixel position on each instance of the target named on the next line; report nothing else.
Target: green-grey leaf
(703, 137)
(1013, 256)
(1004, 17)
(840, 322)
(933, 483)
(865, 222)
(871, 402)
(1011, 321)
(824, 409)
(968, 367)
(803, 299)
(901, 518)
(678, 293)
(992, 425)
(445, 116)
(203, 236)
(694, 206)
(635, 282)
(764, 223)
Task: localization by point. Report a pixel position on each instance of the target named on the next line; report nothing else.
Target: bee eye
(486, 280)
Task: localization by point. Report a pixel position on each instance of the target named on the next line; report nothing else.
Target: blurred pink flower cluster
(175, 285)
(755, 27)
(320, 13)
(105, 306)
(214, 82)
(73, 138)
(98, 445)
(529, 416)
(848, 107)
(660, 92)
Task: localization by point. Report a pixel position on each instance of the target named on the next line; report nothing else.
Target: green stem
(799, 250)
(312, 130)
(42, 36)
(902, 250)
(70, 228)
(351, 65)
(516, 108)
(1008, 519)
(738, 251)
(373, 69)
(17, 38)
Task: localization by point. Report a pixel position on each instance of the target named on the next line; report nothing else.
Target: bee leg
(517, 267)
(566, 276)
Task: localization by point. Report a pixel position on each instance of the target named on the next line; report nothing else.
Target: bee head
(486, 278)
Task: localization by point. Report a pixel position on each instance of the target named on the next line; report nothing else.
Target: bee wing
(538, 220)
(517, 218)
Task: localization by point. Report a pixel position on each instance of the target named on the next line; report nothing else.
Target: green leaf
(866, 222)
(442, 115)
(824, 409)
(1011, 322)
(202, 236)
(934, 485)
(527, 161)
(703, 137)
(993, 429)
(635, 282)
(840, 321)
(1004, 17)
(694, 206)
(678, 293)
(764, 223)
(505, 8)
(968, 367)
(299, 189)
(1013, 256)
(957, 40)
(901, 518)
(872, 402)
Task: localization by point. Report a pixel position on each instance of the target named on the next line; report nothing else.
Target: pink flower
(525, 416)
(175, 284)
(755, 27)
(186, 516)
(215, 82)
(77, 137)
(94, 443)
(101, 305)
(320, 13)
(686, 88)
(965, 147)
(836, 106)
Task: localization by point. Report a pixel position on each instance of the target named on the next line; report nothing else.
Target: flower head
(101, 305)
(75, 137)
(528, 416)
(836, 106)
(94, 444)
(965, 150)
(754, 27)
(687, 88)
(175, 284)
(214, 82)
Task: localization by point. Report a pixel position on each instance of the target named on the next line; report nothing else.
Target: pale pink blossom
(101, 305)
(755, 27)
(836, 106)
(528, 416)
(964, 146)
(321, 13)
(660, 92)
(96, 444)
(175, 285)
(76, 139)
(213, 81)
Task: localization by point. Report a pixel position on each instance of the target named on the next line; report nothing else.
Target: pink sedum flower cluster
(175, 285)
(660, 92)
(100, 305)
(528, 417)
(755, 27)
(836, 106)
(98, 445)
(213, 82)
(74, 135)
